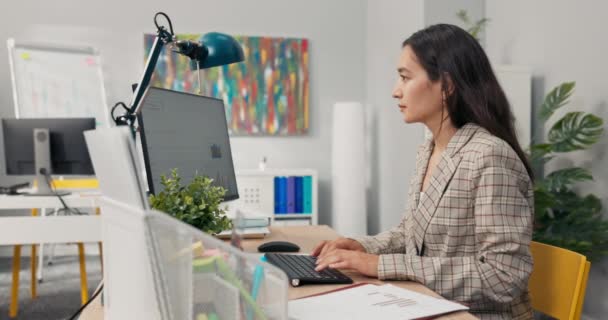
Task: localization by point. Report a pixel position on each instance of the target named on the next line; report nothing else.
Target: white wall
(394, 143)
(389, 23)
(336, 30)
(562, 41)
(354, 50)
(441, 11)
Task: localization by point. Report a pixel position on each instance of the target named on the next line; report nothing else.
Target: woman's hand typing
(345, 253)
(340, 243)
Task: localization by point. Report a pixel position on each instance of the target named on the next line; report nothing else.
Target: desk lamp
(214, 49)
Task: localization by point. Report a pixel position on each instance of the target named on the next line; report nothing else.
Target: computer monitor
(187, 132)
(56, 145)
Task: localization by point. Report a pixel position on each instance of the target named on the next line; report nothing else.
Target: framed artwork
(265, 95)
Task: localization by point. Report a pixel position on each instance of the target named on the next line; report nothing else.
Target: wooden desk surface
(306, 237)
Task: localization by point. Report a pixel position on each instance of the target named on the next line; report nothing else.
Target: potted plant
(472, 27)
(564, 218)
(197, 203)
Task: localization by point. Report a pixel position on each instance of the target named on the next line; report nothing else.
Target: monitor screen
(187, 132)
(69, 153)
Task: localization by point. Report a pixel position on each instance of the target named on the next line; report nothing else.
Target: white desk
(21, 230)
(33, 230)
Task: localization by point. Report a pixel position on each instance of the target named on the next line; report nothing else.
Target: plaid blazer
(469, 238)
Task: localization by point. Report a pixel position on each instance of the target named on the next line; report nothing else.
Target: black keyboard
(300, 269)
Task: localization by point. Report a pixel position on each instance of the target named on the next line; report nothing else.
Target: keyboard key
(301, 267)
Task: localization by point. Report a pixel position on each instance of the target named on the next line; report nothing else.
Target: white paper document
(370, 302)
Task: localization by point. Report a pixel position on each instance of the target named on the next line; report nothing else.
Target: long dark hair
(474, 95)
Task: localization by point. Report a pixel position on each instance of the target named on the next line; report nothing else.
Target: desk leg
(101, 255)
(33, 263)
(97, 212)
(33, 267)
(15, 285)
(84, 294)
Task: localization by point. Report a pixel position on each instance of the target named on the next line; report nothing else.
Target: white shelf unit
(256, 191)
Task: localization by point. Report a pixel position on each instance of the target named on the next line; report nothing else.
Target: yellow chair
(581, 299)
(73, 184)
(558, 281)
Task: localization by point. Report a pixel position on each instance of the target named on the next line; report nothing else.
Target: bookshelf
(257, 192)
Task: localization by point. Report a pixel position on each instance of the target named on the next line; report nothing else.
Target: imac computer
(42, 147)
(187, 132)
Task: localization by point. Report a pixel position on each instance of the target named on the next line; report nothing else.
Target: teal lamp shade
(221, 48)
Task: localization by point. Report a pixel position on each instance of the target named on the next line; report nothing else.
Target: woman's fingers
(329, 246)
(318, 248)
(332, 257)
(326, 262)
(340, 265)
(366, 264)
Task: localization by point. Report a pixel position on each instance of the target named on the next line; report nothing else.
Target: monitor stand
(42, 159)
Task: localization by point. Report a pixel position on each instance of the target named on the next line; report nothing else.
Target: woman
(466, 233)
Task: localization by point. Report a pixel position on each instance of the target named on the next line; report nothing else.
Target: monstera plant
(563, 217)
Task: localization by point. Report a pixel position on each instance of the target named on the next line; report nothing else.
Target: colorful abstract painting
(267, 94)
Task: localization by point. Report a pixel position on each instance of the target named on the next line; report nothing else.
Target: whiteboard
(51, 81)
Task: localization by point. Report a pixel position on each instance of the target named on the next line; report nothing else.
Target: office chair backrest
(581, 299)
(558, 280)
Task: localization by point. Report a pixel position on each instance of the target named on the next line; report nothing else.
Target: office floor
(59, 293)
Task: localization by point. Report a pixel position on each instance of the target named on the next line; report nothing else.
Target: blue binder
(291, 194)
(299, 195)
(307, 194)
(277, 194)
(283, 195)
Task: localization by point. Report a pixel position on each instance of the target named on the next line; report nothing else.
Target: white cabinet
(258, 190)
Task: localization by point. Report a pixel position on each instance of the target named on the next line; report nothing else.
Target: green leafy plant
(197, 204)
(474, 28)
(562, 217)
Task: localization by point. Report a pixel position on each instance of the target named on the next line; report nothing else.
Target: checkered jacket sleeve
(496, 265)
(389, 241)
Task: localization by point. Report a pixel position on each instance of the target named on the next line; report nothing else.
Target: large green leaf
(475, 29)
(538, 154)
(463, 15)
(540, 150)
(543, 202)
(577, 224)
(556, 99)
(561, 179)
(575, 131)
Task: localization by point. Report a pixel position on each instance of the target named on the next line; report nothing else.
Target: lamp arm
(163, 37)
(142, 85)
(230, 51)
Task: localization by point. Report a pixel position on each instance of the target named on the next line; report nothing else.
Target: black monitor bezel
(144, 144)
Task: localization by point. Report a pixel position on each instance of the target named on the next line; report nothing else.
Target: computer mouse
(278, 246)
